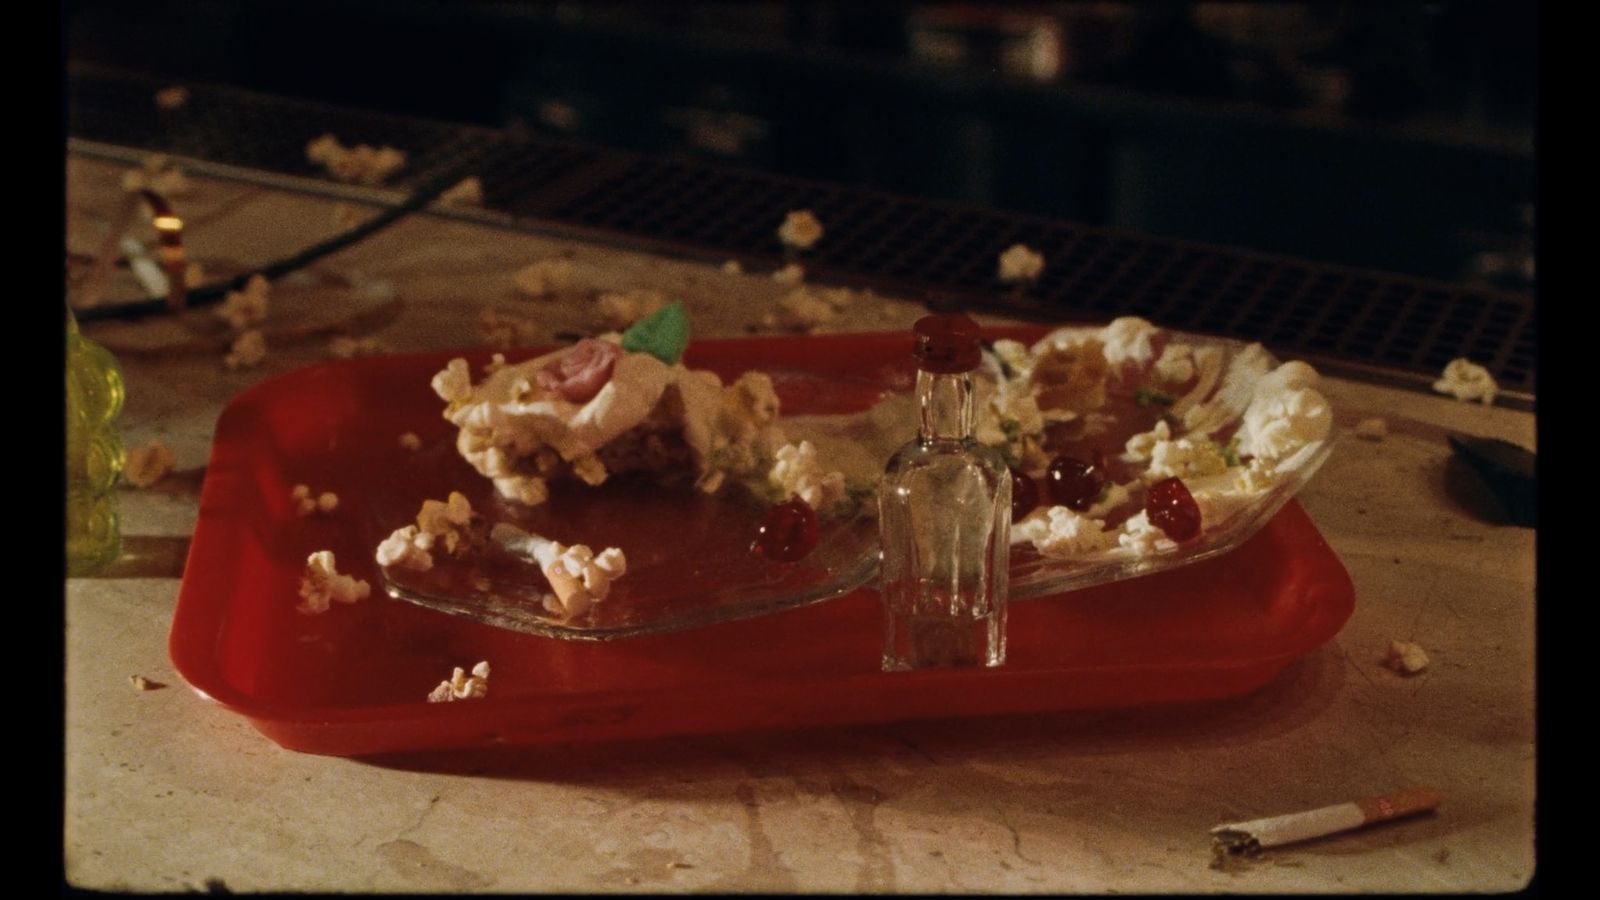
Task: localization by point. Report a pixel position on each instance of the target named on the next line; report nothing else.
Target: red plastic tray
(353, 681)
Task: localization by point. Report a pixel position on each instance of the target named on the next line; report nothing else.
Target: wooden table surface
(165, 791)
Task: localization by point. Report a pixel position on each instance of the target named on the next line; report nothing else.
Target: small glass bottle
(94, 453)
(944, 519)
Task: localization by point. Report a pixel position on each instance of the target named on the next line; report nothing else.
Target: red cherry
(1074, 483)
(1171, 508)
(1024, 494)
(788, 531)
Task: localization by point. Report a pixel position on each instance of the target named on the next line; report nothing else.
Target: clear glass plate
(689, 554)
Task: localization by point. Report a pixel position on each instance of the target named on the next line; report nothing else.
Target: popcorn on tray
(798, 472)
(1466, 380)
(308, 505)
(441, 526)
(322, 584)
(247, 306)
(463, 686)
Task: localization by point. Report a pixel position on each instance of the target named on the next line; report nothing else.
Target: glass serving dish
(689, 554)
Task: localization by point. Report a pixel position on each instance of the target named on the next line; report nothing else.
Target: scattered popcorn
(157, 175)
(171, 98)
(306, 504)
(1185, 458)
(246, 307)
(502, 330)
(148, 465)
(798, 473)
(1128, 338)
(578, 577)
(321, 584)
(1019, 263)
(1372, 429)
(1139, 447)
(447, 521)
(462, 686)
(343, 347)
(141, 683)
(732, 267)
(1060, 533)
(1175, 365)
(1406, 658)
(405, 549)
(1143, 538)
(543, 278)
(410, 441)
(247, 350)
(1466, 380)
(801, 310)
(800, 229)
(362, 163)
(791, 274)
(454, 383)
(466, 192)
(619, 310)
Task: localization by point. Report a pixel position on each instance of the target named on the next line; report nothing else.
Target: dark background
(1392, 136)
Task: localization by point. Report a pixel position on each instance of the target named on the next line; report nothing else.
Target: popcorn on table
(343, 347)
(544, 277)
(466, 192)
(463, 686)
(322, 584)
(247, 306)
(1466, 380)
(307, 505)
(247, 351)
(797, 472)
(158, 175)
(362, 163)
(800, 310)
(148, 464)
(1406, 657)
(800, 229)
(1020, 263)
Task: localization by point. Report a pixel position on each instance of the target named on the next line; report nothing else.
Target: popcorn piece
(1143, 538)
(321, 584)
(1175, 365)
(243, 308)
(148, 465)
(1185, 458)
(543, 278)
(1465, 380)
(800, 229)
(578, 577)
(1020, 263)
(1128, 338)
(1277, 425)
(496, 363)
(466, 192)
(1406, 658)
(454, 384)
(1372, 429)
(447, 521)
(410, 441)
(141, 683)
(619, 310)
(306, 504)
(462, 686)
(503, 330)
(404, 549)
(247, 350)
(194, 275)
(1060, 533)
(791, 274)
(732, 267)
(1139, 447)
(798, 473)
(343, 347)
(171, 98)
(362, 163)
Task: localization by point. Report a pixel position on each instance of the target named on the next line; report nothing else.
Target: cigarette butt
(1274, 831)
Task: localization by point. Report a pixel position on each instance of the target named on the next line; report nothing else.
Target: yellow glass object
(95, 454)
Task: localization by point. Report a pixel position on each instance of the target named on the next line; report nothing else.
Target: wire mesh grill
(944, 252)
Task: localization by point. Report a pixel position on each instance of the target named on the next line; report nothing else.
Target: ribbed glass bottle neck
(945, 402)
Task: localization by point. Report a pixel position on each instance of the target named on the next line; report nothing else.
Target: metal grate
(1351, 320)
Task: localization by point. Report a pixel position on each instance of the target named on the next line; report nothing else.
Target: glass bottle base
(943, 641)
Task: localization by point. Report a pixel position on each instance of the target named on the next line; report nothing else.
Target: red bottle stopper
(946, 344)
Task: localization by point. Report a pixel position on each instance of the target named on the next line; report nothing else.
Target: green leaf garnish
(1230, 453)
(1153, 397)
(663, 334)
